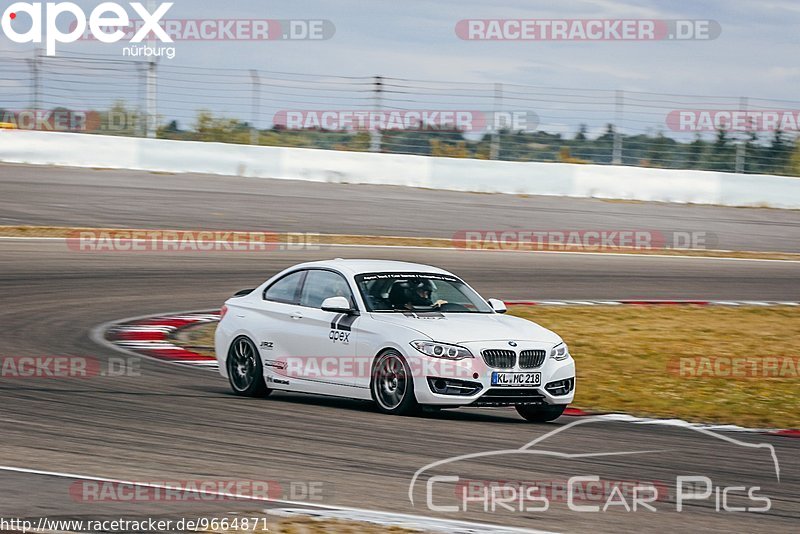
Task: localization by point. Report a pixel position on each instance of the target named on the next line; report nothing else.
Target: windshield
(418, 292)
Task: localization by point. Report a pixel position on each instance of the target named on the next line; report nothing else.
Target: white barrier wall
(530, 178)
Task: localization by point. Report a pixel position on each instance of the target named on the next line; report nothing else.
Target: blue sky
(756, 54)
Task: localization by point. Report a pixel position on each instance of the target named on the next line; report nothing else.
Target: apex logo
(105, 16)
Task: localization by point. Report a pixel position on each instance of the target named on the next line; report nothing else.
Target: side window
(285, 289)
(321, 285)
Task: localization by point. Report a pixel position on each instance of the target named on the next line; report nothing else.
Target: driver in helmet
(419, 293)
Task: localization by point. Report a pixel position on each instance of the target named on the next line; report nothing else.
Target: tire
(541, 414)
(392, 385)
(245, 373)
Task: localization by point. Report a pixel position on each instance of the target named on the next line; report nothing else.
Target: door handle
(296, 315)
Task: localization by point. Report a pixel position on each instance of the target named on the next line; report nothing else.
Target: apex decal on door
(342, 337)
(341, 327)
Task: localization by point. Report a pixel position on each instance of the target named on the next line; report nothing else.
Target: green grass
(623, 353)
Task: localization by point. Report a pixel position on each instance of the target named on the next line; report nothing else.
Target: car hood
(467, 327)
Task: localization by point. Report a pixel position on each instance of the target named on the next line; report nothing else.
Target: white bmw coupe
(404, 335)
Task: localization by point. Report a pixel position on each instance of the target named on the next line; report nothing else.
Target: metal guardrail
(572, 125)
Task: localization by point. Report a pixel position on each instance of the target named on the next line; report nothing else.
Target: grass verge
(628, 359)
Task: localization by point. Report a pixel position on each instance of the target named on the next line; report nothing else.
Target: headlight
(442, 350)
(559, 352)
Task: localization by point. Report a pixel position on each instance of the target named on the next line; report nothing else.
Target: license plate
(524, 380)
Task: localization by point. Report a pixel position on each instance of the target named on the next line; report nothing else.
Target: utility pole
(494, 146)
(256, 83)
(616, 156)
(35, 79)
(152, 86)
(375, 133)
(741, 146)
(152, 102)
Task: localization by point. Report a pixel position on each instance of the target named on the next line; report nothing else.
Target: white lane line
(625, 418)
(149, 345)
(458, 249)
(145, 328)
(691, 302)
(409, 519)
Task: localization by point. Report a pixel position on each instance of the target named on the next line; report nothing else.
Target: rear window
(285, 289)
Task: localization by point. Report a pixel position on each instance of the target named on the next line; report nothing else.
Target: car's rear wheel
(245, 372)
(392, 385)
(541, 414)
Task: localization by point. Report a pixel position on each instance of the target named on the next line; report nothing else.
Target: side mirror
(336, 305)
(497, 305)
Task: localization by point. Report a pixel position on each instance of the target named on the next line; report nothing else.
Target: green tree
(723, 154)
(778, 154)
(209, 128)
(694, 153)
(121, 120)
(794, 161)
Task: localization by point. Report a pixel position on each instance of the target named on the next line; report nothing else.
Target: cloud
(755, 55)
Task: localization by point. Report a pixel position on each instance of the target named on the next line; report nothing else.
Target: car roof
(359, 266)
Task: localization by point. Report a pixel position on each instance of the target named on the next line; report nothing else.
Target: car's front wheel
(541, 413)
(245, 372)
(392, 385)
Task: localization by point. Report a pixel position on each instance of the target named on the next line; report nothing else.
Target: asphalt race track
(175, 423)
(35, 195)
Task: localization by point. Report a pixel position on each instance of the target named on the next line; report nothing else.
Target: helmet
(416, 291)
(412, 291)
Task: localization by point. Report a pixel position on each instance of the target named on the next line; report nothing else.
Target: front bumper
(467, 382)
